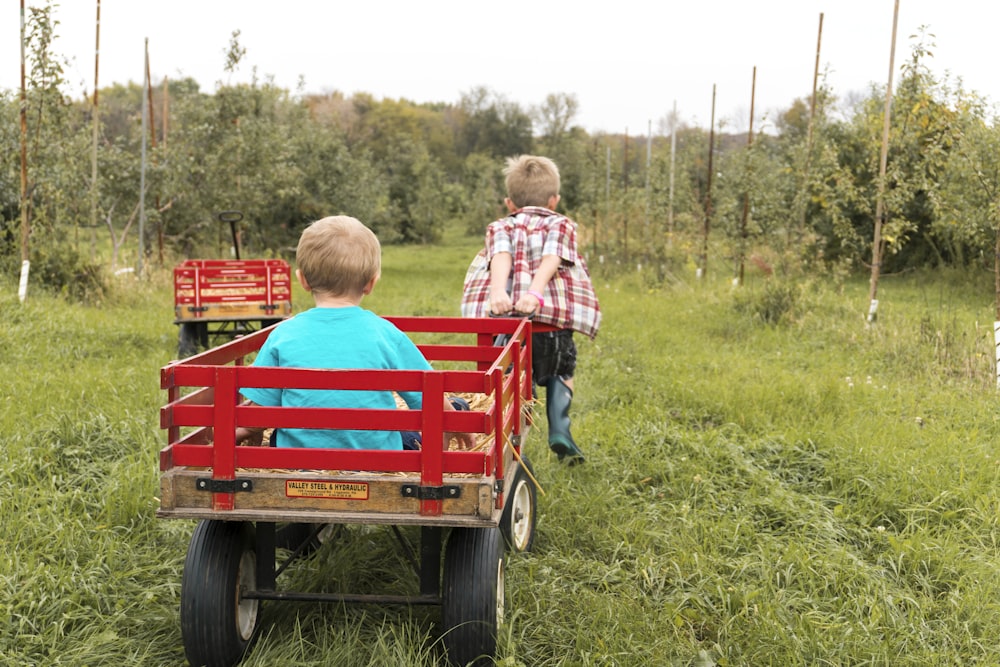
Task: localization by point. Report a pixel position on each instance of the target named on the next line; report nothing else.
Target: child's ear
(553, 202)
(302, 280)
(511, 206)
(371, 285)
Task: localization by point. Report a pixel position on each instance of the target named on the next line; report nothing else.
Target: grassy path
(808, 492)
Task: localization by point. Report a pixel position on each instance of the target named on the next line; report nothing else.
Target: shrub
(772, 305)
(63, 270)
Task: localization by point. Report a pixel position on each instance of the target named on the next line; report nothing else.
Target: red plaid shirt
(528, 235)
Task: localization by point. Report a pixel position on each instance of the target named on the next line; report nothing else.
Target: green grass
(769, 482)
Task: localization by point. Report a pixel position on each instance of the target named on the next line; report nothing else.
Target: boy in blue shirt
(339, 262)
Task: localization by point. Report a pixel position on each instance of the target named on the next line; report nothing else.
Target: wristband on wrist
(541, 301)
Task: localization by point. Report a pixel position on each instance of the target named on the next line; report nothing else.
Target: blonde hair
(531, 180)
(338, 255)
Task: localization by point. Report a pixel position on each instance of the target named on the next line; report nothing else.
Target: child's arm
(500, 303)
(527, 303)
(251, 436)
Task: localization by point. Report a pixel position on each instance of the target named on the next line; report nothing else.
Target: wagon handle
(514, 314)
(232, 217)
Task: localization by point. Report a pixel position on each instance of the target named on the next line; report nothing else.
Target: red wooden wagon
(255, 504)
(220, 298)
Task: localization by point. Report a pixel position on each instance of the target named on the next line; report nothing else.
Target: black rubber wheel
(217, 624)
(187, 340)
(520, 511)
(473, 595)
(202, 329)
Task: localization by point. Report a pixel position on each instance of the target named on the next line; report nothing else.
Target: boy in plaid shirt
(531, 265)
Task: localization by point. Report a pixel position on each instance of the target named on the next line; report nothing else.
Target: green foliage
(493, 125)
(805, 189)
(62, 270)
(774, 303)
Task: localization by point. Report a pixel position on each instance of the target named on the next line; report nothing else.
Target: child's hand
(500, 303)
(465, 440)
(252, 437)
(527, 303)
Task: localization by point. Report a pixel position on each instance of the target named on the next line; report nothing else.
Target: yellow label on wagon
(326, 488)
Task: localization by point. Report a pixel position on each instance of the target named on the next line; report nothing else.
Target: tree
(968, 220)
(492, 125)
(555, 117)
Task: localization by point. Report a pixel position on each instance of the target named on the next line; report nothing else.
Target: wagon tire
(187, 340)
(473, 595)
(217, 624)
(520, 512)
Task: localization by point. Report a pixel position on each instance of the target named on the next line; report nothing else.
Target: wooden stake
(625, 201)
(159, 219)
(142, 172)
(809, 131)
(95, 123)
(880, 203)
(746, 195)
(649, 165)
(673, 153)
(25, 225)
(703, 269)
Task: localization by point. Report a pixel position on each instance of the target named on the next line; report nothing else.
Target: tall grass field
(769, 481)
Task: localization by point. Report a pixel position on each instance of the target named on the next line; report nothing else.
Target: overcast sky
(627, 62)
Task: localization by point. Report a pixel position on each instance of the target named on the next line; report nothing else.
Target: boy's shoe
(458, 403)
(558, 399)
(568, 451)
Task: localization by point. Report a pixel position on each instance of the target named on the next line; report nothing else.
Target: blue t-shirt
(348, 337)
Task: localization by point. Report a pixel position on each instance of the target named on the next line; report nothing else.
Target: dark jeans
(553, 353)
(411, 439)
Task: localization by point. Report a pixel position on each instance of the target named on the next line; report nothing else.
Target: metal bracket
(223, 485)
(431, 492)
(516, 439)
(268, 306)
(197, 309)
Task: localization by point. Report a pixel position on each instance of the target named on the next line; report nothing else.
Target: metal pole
(880, 203)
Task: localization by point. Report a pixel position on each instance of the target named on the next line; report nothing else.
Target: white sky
(626, 61)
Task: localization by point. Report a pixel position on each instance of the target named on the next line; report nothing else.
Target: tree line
(801, 191)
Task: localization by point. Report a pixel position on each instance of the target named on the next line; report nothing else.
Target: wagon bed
(205, 474)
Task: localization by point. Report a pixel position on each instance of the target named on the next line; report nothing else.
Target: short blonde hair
(531, 180)
(338, 255)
